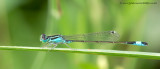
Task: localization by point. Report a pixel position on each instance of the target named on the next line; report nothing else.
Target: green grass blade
(146, 55)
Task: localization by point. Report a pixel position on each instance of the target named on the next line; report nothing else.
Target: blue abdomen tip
(139, 43)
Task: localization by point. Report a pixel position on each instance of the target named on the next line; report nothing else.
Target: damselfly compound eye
(43, 36)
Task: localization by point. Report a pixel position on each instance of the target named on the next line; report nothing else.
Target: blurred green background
(23, 21)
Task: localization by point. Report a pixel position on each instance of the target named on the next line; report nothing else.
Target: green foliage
(146, 55)
(22, 23)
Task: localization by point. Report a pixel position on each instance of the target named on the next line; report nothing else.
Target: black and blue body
(55, 39)
(100, 37)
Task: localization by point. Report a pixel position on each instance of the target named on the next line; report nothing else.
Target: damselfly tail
(138, 43)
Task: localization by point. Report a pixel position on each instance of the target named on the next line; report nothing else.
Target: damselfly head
(43, 38)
